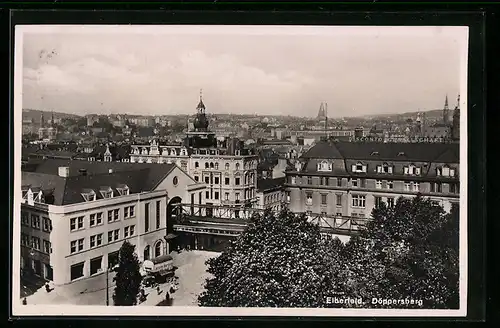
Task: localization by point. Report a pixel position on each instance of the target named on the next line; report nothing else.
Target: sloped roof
(268, 184)
(138, 177)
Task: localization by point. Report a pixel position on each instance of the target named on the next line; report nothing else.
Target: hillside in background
(430, 114)
(35, 115)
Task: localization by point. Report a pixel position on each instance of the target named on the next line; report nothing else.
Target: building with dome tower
(48, 133)
(225, 165)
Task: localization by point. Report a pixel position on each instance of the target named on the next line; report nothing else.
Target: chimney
(83, 172)
(64, 171)
(110, 171)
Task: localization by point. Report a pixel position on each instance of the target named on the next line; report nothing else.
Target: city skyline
(242, 70)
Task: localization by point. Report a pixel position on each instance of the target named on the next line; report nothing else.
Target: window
(362, 183)
(113, 235)
(207, 180)
(89, 196)
(323, 199)
(237, 196)
(76, 245)
(95, 265)
(96, 240)
(226, 166)
(293, 180)
(216, 195)
(378, 184)
(107, 193)
(211, 165)
(226, 195)
(113, 215)
(123, 191)
(309, 198)
(384, 168)
(407, 186)
(95, 219)
(47, 225)
(35, 242)
(216, 166)
(76, 270)
(339, 182)
(237, 181)
(206, 165)
(158, 249)
(25, 219)
(453, 188)
(378, 201)
(196, 164)
(359, 168)
(175, 181)
(25, 240)
(146, 218)
(35, 221)
(76, 223)
(128, 212)
(196, 178)
(452, 172)
(416, 186)
(338, 200)
(158, 213)
(358, 201)
(237, 166)
(146, 253)
(390, 201)
(324, 166)
(446, 171)
(46, 247)
(226, 181)
(216, 180)
(129, 231)
(207, 194)
(390, 185)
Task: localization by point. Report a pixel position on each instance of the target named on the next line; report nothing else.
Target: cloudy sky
(263, 70)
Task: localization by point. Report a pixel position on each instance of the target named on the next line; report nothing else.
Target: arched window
(211, 165)
(227, 166)
(196, 164)
(158, 248)
(206, 165)
(237, 166)
(146, 253)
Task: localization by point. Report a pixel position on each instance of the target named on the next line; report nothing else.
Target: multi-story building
(346, 179)
(48, 133)
(226, 166)
(271, 193)
(75, 215)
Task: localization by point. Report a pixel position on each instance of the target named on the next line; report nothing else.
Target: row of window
(383, 184)
(34, 242)
(35, 222)
(97, 240)
(91, 195)
(216, 195)
(357, 201)
(216, 180)
(274, 198)
(227, 166)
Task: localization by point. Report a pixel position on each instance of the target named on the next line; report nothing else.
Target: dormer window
(359, 168)
(123, 190)
(183, 152)
(401, 153)
(384, 168)
(89, 195)
(445, 171)
(106, 192)
(325, 166)
(375, 153)
(411, 170)
(173, 152)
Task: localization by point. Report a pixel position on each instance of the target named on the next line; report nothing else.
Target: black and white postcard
(240, 170)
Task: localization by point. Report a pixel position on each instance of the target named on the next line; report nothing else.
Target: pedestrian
(25, 301)
(158, 289)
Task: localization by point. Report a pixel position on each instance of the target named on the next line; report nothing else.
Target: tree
(128, 277)
(409, 252)
(278, 261)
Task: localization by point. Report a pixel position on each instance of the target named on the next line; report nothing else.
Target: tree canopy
(128, 277)
(406, 252)
(409, 251)
(279, 261)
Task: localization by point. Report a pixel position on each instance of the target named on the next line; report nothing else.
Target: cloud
(162, 74)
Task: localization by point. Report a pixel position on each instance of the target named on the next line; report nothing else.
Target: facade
(75, 216)
(449, 128)
(271, 193)
(47, 132)
(226, 166)
(345, 179)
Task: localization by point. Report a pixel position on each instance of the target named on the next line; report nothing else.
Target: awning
(170, 236)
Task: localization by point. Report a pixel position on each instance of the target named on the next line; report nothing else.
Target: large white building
(75, 215)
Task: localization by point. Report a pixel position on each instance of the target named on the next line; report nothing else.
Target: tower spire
(446, 111)
(446, 101)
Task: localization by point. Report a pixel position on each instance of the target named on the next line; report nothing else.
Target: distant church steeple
(446, 111)
(455, 128)
(42, 121)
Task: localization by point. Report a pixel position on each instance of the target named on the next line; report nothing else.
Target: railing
(210, 218)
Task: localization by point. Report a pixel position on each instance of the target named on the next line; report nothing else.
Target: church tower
(455, 128)
(446, 111)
